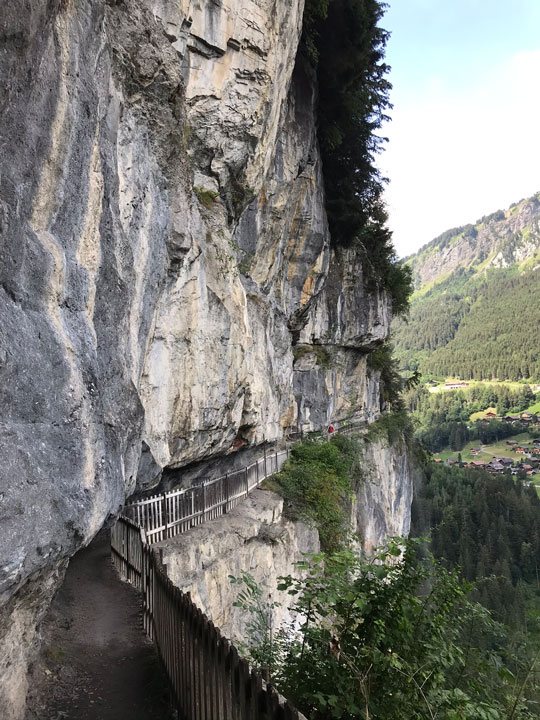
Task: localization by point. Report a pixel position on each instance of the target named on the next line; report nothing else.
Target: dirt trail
(96, 662)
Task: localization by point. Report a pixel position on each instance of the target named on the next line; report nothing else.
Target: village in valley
(519, 454)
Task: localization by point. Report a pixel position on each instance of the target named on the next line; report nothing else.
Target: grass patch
(534, 409)
(316, 485)
(322, 355)
(482, 413)
(207, 198)
(511, 385)
(500, 448)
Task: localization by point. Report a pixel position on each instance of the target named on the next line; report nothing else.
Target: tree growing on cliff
(346, 45)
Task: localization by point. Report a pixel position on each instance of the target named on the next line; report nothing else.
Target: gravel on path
(96, 663)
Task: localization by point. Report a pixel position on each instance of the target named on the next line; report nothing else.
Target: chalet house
(511, 418)
(526, 415)
(511, 442)
(490, 415)
(506, 461)
(521, 450)
(536, 450)
(476, 451)
(477, 463)
(455, 385)
(495, 467)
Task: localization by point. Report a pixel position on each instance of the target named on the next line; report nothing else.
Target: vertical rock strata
(166, 281)
(255, 538)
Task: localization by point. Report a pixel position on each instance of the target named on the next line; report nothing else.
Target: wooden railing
(209, 680)
(169, 514)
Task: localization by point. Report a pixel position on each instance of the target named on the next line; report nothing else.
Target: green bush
(391, 637)
(322, 354)
(394, 427)
(316, 486)
(206, 197)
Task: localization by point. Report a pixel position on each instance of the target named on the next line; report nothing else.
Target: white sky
(458, 150)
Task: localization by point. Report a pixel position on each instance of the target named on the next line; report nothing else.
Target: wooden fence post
(208, 678)
(204, 500)
(164, 514)
(126, 535)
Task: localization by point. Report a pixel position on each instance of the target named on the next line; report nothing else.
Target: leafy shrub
(316, 485)
(206, 197)
(322, 354)
(392, 637)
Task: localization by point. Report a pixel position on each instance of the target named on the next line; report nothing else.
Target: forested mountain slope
(476, 308)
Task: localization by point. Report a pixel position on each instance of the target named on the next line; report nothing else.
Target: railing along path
(168, 514)
(209, 680)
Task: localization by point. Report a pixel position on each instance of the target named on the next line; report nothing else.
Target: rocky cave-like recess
(168, 292)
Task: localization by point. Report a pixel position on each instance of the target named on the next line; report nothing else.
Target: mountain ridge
(475, 312)
(500, 239)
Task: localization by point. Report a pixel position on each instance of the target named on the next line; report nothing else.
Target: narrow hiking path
(96, 663)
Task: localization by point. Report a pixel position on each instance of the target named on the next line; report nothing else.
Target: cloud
(454, 156)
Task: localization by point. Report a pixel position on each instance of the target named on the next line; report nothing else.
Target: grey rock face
(382, 506)
(254, 538)
(86, 211)
(163, 246)
(500, 240)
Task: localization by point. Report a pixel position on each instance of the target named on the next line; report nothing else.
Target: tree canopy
(346, 46)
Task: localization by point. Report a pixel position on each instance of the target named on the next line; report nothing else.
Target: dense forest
(475, 327)
(489, 527)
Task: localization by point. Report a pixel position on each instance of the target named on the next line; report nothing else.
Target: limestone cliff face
(255, 538)
(383, 499)
(164, 249)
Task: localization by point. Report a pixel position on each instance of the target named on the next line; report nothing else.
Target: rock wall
(167, 288)
(254, 538)
(383, 498)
